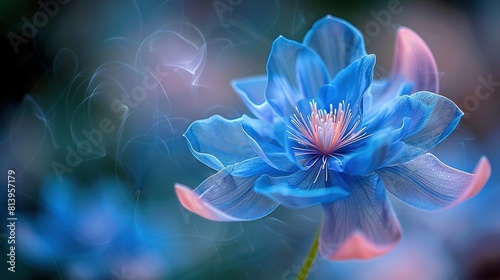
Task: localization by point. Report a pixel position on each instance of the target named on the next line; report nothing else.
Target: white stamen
(323, 133)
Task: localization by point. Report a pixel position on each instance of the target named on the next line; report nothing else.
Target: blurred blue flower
(327, 134)
(89, 233)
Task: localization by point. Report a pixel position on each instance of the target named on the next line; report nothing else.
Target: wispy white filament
(322, 133)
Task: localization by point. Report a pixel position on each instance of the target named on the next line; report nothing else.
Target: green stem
(306, 266)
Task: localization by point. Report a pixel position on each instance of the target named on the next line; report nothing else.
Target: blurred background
(96, 95)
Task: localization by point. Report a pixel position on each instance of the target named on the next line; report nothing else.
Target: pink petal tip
(414, 60)
(194, 203)
(481, 173)
(357, 246)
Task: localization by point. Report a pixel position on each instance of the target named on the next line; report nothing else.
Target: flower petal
(382, 92)
(252, 92)
(414, 69)
(360, 226)
(427, 183)
(262, 137)
(482, 173)
(414, 61)
(192, 202)
(218, 142)
(311, 73)
(419, 122)
(303, 188)
(228, 194)
(350, 85)
(442, 116)
(337, 42)
(366, 157)
(282, 90)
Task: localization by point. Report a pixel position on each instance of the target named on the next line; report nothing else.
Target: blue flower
(89, 233)
(326, 133)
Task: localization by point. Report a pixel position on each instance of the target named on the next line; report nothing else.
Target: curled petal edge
(357, 246)
(408, 45)
(192, 202)
(482, 173)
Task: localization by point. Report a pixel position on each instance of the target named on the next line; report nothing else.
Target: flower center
(323, 133)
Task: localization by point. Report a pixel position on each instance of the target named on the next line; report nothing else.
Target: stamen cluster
(323, 133)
